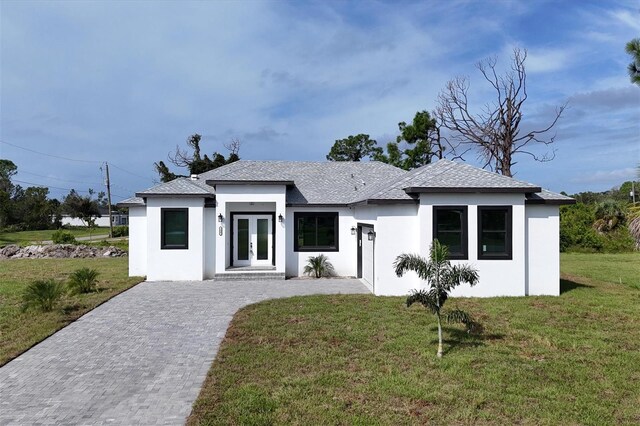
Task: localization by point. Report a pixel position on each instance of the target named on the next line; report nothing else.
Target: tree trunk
(439, 336)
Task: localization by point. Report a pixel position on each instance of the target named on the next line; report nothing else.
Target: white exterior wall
(137, 241)
(74, 221)
(396, 228)
(238, 198)
(543, 250)
(497, 277)
(344, 261)
(175, 264)
(210, 231)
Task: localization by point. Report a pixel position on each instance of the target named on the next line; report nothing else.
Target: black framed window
(450, 228)
(174, 224)
(495, 232)
(315, 231)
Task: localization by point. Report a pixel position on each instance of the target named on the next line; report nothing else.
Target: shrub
(63, 237)
(42, 294)
(83, 280)
(120, 231)
(319, 266)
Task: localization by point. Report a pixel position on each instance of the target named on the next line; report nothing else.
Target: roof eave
(470, 190)
(164, 195)
(214, 182)
(550, 202)
(384, 201)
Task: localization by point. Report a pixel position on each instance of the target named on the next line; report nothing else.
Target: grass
(359, 359)
(21, 330)
(28, 237)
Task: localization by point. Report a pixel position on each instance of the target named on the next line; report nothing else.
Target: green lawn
(27, 237)
(359, 359)
(21, 330)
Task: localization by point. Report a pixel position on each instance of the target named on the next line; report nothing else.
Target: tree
(33, 209)
(633, 49)
(195, 162)
(422, 143)
(353, 148)
(83, 207)
(442, 277)
(8, 169)
(495, 132)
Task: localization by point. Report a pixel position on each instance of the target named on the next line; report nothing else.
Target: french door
(253, 240)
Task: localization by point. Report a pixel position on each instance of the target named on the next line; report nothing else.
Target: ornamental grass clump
(319, 266)
(442, 278)
(83, 280)
(42, 295)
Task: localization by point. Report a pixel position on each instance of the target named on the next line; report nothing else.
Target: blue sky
(125, 82)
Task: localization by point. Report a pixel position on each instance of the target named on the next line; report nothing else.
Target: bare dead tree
(495, 132)
(233, 146)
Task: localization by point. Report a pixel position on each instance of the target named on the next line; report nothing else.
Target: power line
(57, 187)
(49, 155)
(127, 171)
(73, 159)
(60, 179)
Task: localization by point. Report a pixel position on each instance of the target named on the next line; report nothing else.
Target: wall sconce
(280, 218)
(353, 230)
(220, 218)
(371, 235)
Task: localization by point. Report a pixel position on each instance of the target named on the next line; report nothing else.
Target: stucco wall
(344, 261)
(238, 198)
(137, 241)
(176, 264)
(497, 277)
(543, 250)
(396, 229)
(210, 231)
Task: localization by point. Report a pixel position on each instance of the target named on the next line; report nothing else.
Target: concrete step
(249, 276)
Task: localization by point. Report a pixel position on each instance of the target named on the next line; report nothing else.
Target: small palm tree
(319, 266)
(42, 294)
(442, 278)
(83, 280)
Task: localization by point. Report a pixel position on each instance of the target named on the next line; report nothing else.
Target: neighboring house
(265, 218)
(118, 219)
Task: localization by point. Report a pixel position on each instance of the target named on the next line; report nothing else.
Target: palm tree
(633, 49)
(319, 266)
(442, 278)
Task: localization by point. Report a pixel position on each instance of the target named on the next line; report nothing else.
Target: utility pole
(108, 183)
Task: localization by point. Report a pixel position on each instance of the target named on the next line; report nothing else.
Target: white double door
(252, 240)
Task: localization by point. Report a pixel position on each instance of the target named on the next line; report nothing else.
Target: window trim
(508, 255)
(163, 245)
(336, 218)
(465, 230)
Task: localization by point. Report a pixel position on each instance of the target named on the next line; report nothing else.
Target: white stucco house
(117, 219)
(264, 219)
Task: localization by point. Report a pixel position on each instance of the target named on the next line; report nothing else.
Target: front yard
(573, 359)
(20, 330)
(35, 237)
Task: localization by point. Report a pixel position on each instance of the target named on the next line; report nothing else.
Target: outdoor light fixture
(280, 218)
(353, 230)
(371, 235)
(220, 217)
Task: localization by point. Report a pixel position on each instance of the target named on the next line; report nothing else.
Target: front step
(249, 276)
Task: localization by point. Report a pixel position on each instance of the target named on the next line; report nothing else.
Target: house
(263, 219)
(117, 218)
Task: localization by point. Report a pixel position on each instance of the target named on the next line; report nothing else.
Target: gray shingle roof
(131, 202)
(179, 187)
(339, 182)
(447, 176)
(548, 197)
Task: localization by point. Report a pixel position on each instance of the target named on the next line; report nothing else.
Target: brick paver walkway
(140, 358)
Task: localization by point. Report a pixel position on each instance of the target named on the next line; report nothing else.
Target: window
(175, 228)
(315, 231)
(494, 232)
(450, 228)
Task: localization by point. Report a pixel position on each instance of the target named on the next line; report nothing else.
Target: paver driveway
(140, 358)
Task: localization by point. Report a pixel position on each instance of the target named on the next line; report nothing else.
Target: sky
(126, 82)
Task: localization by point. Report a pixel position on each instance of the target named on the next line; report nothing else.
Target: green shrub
(120, 231)
(319, 266)
(42, 294)
(63, 237)
(83, 280)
